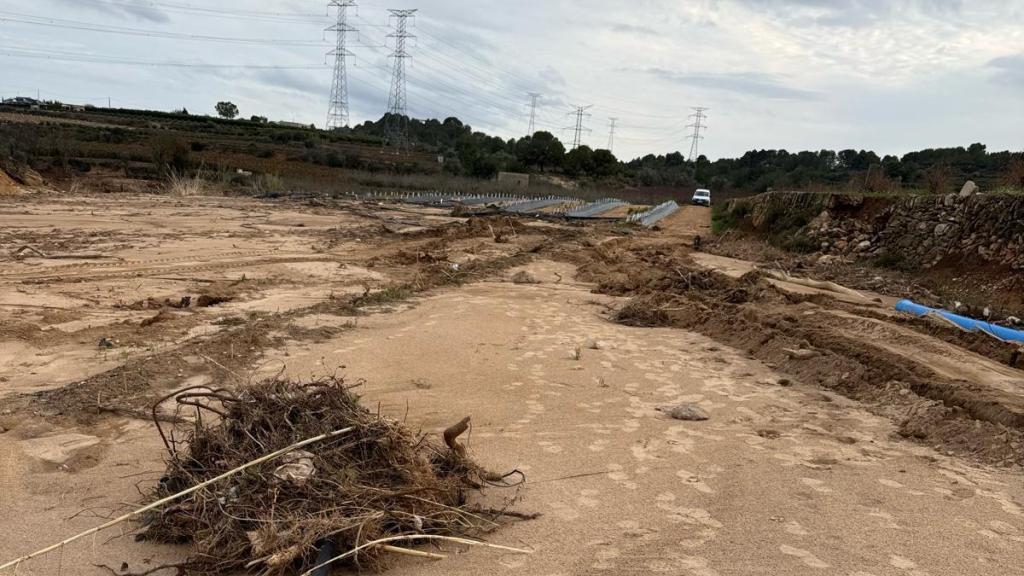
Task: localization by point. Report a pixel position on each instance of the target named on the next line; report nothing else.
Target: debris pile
(374, 482)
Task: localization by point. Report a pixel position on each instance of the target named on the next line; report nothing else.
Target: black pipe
(325, 554)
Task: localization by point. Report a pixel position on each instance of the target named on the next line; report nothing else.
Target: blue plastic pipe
(968, 324)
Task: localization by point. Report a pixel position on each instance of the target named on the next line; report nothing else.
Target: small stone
(865, 245)
(686, 412)
(802, 354)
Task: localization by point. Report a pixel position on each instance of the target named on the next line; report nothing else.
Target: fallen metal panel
(655, 215)
(594, 209)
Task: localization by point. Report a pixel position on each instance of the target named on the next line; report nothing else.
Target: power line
(265, 16)
(698, 126)
(90, 27)
(580, 112)
(59, 56)
(337, 111)
(398, 120)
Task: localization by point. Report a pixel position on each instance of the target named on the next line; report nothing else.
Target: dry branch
(173, 497)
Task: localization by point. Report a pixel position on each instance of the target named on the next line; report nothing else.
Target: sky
(891, 76)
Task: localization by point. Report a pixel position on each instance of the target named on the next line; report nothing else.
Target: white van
(702, 197)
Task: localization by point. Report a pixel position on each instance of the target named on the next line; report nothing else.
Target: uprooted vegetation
(814, 343)
(358, 491)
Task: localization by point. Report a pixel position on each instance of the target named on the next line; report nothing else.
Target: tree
(259, 119)
(227, 110)
(542, 150)
(1014, 174)
(605, 163)
(579, 162)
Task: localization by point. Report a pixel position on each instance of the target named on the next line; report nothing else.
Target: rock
(58, 449)
(864, 246)
(31, 178)
(969, 189)
(802, 354)
(687, 412)
(821, 221)
(942, 229)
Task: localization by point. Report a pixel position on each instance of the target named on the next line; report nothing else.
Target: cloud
(634, 29)
(136, 9)
(309, 82)
(1008, 69)
(551, 77)
(746, 83)
(853, 13)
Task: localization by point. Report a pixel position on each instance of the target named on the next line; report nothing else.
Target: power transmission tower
(698, 126)
(398, 120)
(580, 112)
(611, 134)
(337, 113)
(534, 96)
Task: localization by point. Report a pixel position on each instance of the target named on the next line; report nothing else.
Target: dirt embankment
(967, 249)
(820, 342)
(915, 231)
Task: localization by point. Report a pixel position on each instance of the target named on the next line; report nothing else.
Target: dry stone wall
(920, 231)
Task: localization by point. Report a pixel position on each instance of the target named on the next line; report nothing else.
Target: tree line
(938, 170)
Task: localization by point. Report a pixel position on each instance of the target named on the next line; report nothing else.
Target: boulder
(969, 189)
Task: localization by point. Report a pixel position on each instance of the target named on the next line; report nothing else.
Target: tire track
(155, 267)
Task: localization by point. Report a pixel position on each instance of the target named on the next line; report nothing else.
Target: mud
(840, 439)
(669, 289)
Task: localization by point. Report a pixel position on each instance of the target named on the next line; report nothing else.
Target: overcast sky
(887, 75)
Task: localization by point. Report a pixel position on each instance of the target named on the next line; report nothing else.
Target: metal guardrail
(654, 215)
(594, 209)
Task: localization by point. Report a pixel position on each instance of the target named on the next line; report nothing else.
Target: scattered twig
(410, 538)
(173, 497)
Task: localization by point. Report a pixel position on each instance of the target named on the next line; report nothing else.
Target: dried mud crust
(812, 343)
(232, 351)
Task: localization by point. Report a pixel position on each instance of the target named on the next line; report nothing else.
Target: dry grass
(182, 185)
(377, 482)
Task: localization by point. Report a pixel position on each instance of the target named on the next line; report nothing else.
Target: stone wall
(919, 231)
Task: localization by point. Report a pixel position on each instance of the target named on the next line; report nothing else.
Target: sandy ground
(781, 480)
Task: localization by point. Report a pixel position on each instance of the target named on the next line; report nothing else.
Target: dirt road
(785, 478)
